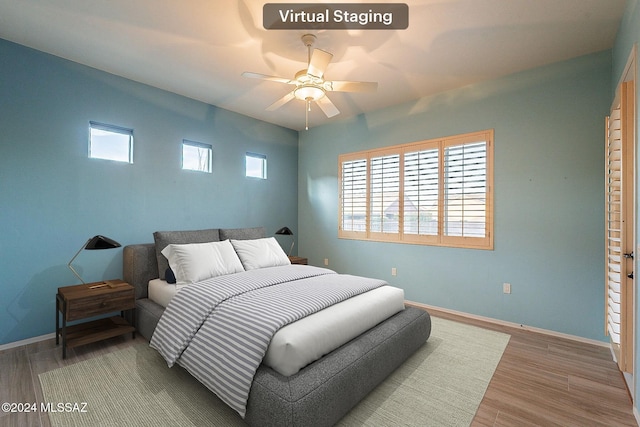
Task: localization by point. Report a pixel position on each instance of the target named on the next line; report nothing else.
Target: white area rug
(441, 385)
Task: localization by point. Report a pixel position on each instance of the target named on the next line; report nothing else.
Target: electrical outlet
(326, 261)
(394, 272)
(506, 288)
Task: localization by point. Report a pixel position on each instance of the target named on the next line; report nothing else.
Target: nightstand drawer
(95, 305)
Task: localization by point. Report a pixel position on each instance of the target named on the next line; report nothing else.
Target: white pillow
(260, 253)
(195, 262)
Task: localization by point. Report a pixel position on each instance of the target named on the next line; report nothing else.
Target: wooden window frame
(436, 238)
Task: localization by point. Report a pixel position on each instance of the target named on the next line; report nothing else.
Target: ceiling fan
(310, 85)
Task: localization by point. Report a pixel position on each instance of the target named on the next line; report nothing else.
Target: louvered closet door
(614, 224)
(619, 229)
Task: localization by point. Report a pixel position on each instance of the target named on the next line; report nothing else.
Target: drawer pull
(104, 304)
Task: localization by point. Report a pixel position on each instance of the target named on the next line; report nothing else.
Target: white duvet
(306, 340)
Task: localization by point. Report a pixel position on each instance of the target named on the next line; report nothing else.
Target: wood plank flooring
(544, 380)
(541, 380)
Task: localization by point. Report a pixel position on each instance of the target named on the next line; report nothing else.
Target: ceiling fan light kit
(310, 85)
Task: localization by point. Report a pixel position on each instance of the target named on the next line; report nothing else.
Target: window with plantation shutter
(435, 192)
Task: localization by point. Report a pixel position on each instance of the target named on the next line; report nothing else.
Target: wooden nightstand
(298, 260)
(93, 299)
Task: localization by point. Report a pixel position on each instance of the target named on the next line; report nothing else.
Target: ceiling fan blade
(327, 107)
(344, 86)
(266, 77)
(318, 63)
(280, 102)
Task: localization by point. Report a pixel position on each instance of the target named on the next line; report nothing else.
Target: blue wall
(549, 127)
(54, 197)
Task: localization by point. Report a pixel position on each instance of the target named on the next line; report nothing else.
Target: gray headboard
(144, 262)
(139, 265)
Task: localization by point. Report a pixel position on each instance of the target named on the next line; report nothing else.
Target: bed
(319, 393)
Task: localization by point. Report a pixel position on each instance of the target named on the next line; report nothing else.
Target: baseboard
(510, 324)
(27, 341)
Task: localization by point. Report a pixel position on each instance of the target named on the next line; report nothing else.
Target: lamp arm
(74, 257)
(293, 242)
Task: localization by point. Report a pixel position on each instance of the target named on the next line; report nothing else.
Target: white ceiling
(199, 48)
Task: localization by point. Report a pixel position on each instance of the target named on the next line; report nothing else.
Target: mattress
(300, 343)
(161, 292)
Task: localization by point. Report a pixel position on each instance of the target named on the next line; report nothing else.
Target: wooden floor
(543, 380)
(540, 381)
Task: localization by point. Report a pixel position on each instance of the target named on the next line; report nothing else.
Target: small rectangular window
(256, 165)
(196, 156)
(110, 142)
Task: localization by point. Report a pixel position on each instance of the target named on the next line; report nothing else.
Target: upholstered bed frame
(321, 393)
